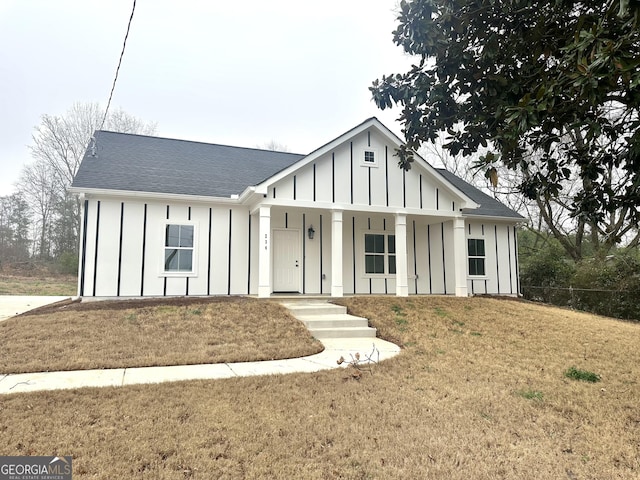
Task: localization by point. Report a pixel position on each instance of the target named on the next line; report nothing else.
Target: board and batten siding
(501, 258)
(341, 177)
(123, 249)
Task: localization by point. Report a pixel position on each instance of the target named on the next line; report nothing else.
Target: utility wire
(113, 87)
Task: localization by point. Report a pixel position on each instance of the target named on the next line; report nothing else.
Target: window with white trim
(178, 248)
(379, 254)
(369, 158)
(476, 254)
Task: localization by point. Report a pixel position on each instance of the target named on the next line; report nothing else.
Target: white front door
(287, 263)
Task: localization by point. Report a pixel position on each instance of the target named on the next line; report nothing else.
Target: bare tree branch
(59, 144)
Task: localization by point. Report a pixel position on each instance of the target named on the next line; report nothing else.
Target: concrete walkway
(11, 305)
(374, 349)
(116, 377)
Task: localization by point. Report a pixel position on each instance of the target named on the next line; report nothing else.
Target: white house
(173, 217)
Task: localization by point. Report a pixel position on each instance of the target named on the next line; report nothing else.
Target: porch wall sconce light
(311, 232)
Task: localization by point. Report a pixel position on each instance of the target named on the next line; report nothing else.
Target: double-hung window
(476, 256)
(178, 248)
(379, 254)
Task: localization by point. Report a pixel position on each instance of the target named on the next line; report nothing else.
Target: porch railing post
(460, 257)
(264, 255)
(402, 280)
(336, 253)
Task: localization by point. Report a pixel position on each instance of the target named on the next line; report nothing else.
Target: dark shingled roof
(140, 163)
(489, 206)
(162, 165)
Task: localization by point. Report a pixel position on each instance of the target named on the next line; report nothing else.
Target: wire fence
(611, 303)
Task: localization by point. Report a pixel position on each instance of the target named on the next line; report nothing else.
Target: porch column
(402, 282)
(460, 257)
(336, 253)
(264, 253)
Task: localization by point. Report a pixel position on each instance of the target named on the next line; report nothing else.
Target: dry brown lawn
(138, 333)
(61, 285)
(477, 393)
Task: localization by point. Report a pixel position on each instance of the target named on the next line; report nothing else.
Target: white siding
(86, 276)
(438, 258)
(122, 270)
(415, 254)
(324, 189)
(198, 283)
(134, 266)
(325, 284)
(500, 258)
(153, 284)
(341, 177)
(446, 202)
(378, 178)
(239, 242)
(304, 183)
(108, 249)
(132, 232)
(502, 266)
(311, 253)
(341, 181)
(395, 175)
(428, 193)
(219, 251)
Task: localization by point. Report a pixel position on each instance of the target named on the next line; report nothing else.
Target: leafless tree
(274, 146)
(39, 187)
(61, 140)
(59, 144)
(15, 243)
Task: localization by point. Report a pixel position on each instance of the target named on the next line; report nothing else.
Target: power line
(113, 87)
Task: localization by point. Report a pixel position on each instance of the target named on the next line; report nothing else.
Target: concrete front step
(345, 332)
(325, 320)
(332, 321)
(315, 308)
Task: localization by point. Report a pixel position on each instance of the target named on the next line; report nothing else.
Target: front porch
(337, 252)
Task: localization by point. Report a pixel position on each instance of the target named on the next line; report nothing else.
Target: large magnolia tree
(550, 89)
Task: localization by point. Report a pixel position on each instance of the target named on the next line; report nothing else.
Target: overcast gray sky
(231, 72)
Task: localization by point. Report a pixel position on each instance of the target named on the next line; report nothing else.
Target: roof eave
(152, 195)
(468, 202)
(500, 218)
(250, 193)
